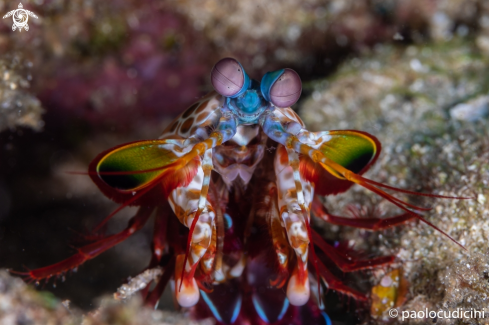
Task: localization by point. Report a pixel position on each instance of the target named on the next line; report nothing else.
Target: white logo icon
(21, 16)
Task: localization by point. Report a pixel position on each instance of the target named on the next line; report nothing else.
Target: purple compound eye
(229, 78)
(282, 88)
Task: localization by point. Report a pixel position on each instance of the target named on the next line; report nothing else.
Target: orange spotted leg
(294, 214)
(90, 251)
(203, 221)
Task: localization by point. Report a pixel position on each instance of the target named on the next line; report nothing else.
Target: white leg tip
(298, 293)
(189, 295)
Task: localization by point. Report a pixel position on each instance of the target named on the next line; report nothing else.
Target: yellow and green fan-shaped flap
(353, 150)
(133, 166)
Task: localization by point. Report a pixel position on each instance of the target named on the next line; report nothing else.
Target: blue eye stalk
(282, 88)
(246, 98)
(268, 81)
(248, 106)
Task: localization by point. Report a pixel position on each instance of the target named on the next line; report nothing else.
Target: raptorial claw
(200, 236)
(298, 287)
(293, 217)
(186, 288)
(201, 228)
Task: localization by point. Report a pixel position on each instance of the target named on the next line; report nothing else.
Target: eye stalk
(229, 78)
(248, 106)
(282, 88)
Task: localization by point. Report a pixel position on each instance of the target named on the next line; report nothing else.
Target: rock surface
(21, 304)
(407, 98)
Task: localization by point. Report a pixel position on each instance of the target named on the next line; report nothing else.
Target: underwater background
(89, 75)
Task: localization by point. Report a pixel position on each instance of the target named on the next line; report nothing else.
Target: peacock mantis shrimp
(242, 244)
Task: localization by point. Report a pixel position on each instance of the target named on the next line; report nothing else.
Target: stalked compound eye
(282, 88)
(229, 78)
